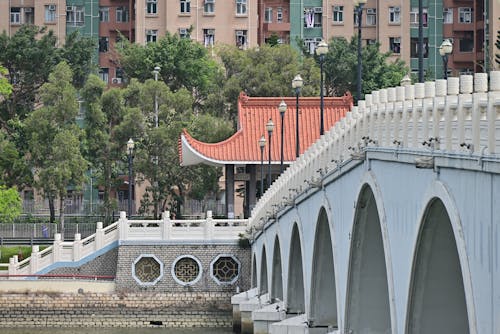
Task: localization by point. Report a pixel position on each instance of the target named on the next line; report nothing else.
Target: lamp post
(321, 50)
(445, 50)
(282, 109)
(297, 85)
(156, 71)
(358, 9)
(269, 128)
(130, 150)
(262, 143)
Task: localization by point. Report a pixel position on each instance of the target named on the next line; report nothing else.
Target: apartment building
(274, 20)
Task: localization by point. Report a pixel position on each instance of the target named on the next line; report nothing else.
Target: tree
(5, 86)
(109, 123)
(378, 71)
(54, 140)
(10, 204)
(78, 52)
(497, 44)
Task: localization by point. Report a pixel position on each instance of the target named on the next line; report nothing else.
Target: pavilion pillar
(252, 189)
(229, 191)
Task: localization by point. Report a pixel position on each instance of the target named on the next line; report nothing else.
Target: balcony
(463, 57)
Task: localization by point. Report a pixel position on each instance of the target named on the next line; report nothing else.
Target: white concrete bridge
(390, 223)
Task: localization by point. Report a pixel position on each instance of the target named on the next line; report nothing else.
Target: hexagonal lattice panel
(186, 270)
(147, 270)
(225, 269)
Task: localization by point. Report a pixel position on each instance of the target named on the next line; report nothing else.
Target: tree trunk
(61, 215)
(52, 210)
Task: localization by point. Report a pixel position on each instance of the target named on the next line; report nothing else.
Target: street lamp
(282, 110)
(297, 85)
(321, 50)
(130, 150)
(262, 143)
(445, 50)
(156, 72)
(269, 128)
(358, 9)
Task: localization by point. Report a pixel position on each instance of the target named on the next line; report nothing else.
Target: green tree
(109, 123)
(78, 52)
(54, 140)
(183, 63)
(5, 86)
(10, 204)
(378, 70)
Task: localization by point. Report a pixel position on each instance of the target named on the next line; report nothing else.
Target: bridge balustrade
(455, 117)
(124, 230)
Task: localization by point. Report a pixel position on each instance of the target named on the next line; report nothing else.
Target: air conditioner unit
(116, 81)
(210, 31)
(182, 31)
(397, 40)
(52, 8)
(70, 8)
(371, 11)
(28, 10)
(318, 9)
(337, 8)
(239, 33)
(318, 39)
(397, 9)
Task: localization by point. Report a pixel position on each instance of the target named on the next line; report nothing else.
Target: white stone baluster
(398, 113)
(428, 107)
(417, 113)
(408, 114)
(13, 263)
(382, 110)
(99, 237)
(374, 115)
(464, 106)
(479, 109)
(77, 247)
(493, 110)
(56, 248)
(451, 111)
(123, 225)
(35, 258)
(209, 226)
(438, 111)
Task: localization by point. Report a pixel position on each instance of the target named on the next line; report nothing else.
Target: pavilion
(240, 154)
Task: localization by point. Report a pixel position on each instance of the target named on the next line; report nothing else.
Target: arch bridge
(389, 223)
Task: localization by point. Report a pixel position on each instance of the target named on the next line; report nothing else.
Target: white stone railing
(457, 115)
(126, 230)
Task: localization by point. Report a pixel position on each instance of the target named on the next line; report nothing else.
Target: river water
(115, 330)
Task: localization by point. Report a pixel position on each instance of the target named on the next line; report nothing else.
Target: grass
(8, 252)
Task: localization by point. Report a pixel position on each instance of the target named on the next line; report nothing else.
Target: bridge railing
(457, 116)
(165, 229)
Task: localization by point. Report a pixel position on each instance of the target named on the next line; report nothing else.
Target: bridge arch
(440, 294)
(323, 303)
(295, 301)
(277, 272)
(368, 306)
(254, 271)
(263, 272)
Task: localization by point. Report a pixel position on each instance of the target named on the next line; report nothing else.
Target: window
(310, 44)
(75, 15)
(185, 6)
(371, 16)
(466, 44)
(395, 44)
(15, 15)
(313, 17)
(103, 44)
(50, 13)
(147, 270)
(241, 38)
(186, 270)
(279, 15)
(122, 14)
(104, 14)
(152, 7)
(241, 7)
(209, 6)
(183, 32)
(338, 14)
(448, 15)
(225, 269)
(104, 74)
(371, 41)
(29, 17)
(151, 35)
(414, 16)
(394, 15)
(268, 15)
(465, 15)
(414, 47)
(208, 37)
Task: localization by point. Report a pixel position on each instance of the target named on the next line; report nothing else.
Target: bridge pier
(269, 314)
(246, 310)
(236, 300)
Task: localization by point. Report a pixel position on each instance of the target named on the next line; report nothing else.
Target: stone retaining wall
(184, 309)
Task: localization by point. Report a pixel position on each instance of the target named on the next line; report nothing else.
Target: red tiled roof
(253, 114)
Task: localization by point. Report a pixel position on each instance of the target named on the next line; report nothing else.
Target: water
(115, 330)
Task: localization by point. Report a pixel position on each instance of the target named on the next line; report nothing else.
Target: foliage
(497, 44)
(183, 63)
(378, 71)
(10, 204)
(54, 139)
(5, 86)
(78, 52)
(273, 40)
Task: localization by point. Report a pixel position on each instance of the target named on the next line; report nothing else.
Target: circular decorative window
(186, 270)
(225, 269)
(147, 269)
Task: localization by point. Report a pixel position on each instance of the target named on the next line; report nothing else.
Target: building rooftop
(242, 148)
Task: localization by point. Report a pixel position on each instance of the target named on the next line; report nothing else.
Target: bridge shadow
(277, 274)
(295, 291)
